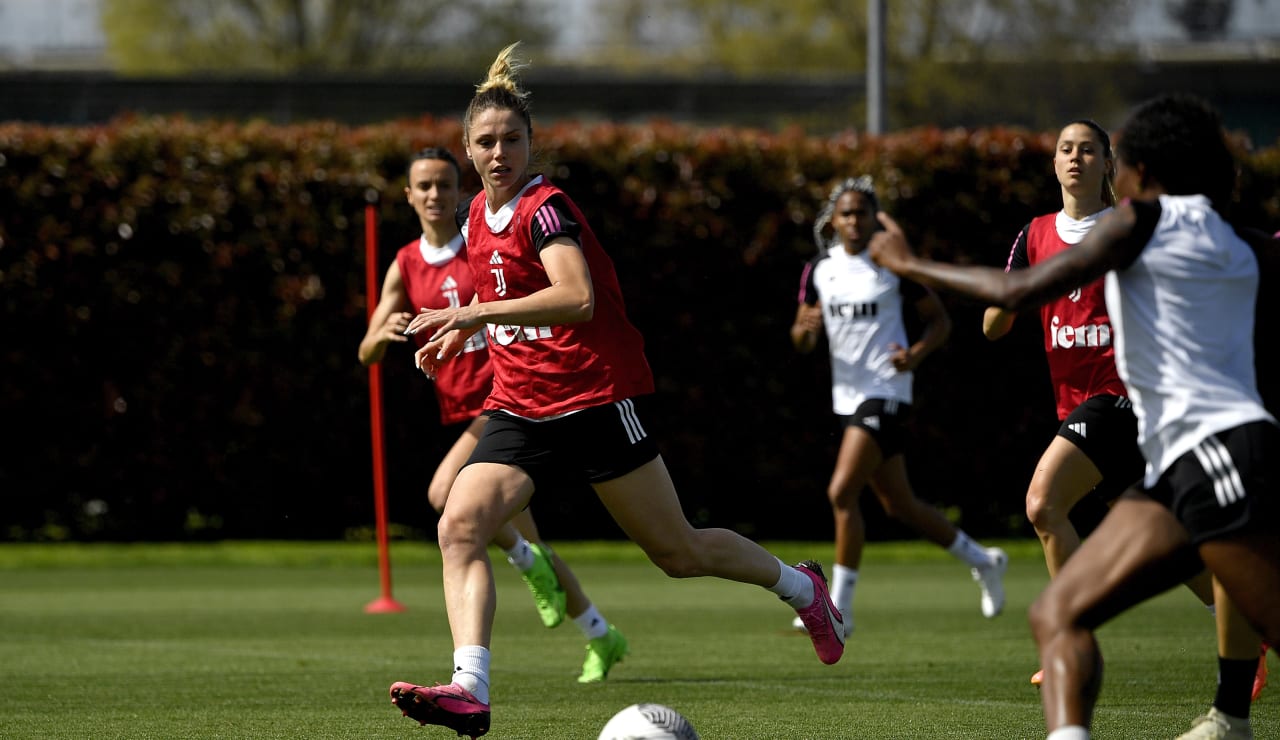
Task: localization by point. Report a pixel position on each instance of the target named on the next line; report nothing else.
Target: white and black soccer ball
(648, 722)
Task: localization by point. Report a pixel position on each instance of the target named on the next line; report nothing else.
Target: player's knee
(1049, 616)
(455, 532)
(842, 495)
(1041, 512)
(1040, 620)
(678, 557)
(677, 563)
(900, 508)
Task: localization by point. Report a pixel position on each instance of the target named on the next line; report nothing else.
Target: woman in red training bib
(569, 399)
(432, 271)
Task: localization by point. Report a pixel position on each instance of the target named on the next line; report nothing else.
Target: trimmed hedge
(182, 303)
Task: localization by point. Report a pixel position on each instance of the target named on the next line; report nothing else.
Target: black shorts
(885, 420)
(1106, 430)
(589, 446)
(1227, 484)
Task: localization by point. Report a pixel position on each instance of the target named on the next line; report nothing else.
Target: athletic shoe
(451, 706)
(991, 579)
(821, 618)
(798, 625)
(602, 653)
(1218, 726)
(541, 579)
(1037, 678)
(1260, 678)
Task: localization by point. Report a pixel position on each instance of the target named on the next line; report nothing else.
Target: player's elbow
(577, 306)
(996, 323)
(942, 327)
(585, 309)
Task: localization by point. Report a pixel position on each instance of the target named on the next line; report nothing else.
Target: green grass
(270, 640)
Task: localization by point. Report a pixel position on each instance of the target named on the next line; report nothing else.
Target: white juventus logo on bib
(449, 289)
(499, 280)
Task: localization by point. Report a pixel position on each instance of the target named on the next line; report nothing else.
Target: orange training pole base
(384, 603)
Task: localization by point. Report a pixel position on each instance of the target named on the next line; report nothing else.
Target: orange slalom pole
(385, 602)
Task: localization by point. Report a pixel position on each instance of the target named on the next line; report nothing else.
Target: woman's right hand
(809, 319)
(431, 356)
(392, 330)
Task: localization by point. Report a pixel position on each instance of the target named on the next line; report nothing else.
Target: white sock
(969, 551)
(471, 670)
(1213, 609)
(843, 581)
(521, 555)
(591, 623)
(1069, 732)
(793, 587)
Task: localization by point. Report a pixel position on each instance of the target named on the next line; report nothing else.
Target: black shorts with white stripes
(1227, 484)
(588, 446)
(1106, 430)
(885, 420)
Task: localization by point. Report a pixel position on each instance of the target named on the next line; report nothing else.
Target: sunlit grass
(270, 640)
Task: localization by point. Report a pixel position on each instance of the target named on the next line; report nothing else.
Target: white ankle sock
(1069, 732)
(969, 551)
(471, 670)
(520, 555)
(793, 587)
(843, 581)
(591, 623)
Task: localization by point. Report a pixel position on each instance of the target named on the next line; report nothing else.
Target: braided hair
(1180, 141)
(862, 185)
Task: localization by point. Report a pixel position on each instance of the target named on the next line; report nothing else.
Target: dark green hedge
(182, 303)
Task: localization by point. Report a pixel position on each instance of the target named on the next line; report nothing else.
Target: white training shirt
(862, 315)
(1184, 315)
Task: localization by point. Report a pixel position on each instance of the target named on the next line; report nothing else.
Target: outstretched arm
(1107, 247)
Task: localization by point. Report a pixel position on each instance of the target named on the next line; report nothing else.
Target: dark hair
(863, 185)
(1097, 129)
(1178, 139)
(501, 90)
(435, 152)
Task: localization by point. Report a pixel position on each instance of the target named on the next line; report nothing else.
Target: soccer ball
(648, 722)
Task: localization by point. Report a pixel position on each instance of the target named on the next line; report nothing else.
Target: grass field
(270, 640)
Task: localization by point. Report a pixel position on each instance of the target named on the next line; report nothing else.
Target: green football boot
(602, 654)
(545, 587)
